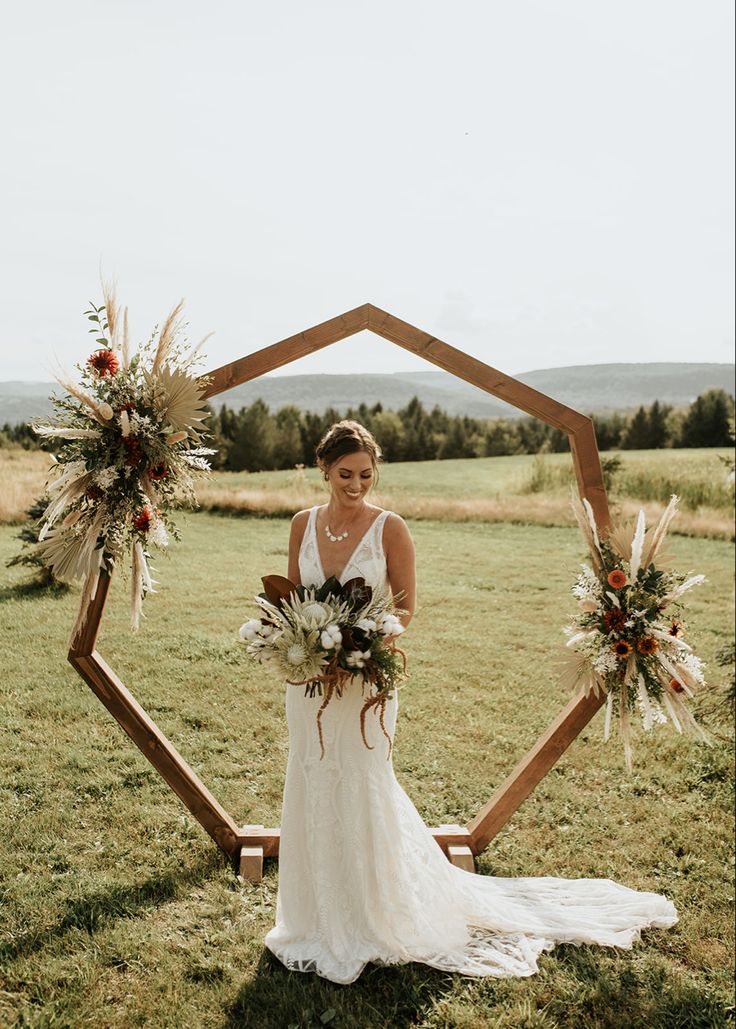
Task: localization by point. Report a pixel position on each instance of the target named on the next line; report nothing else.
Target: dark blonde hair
(346, 437)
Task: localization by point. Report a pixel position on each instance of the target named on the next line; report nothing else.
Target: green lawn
(119, 911)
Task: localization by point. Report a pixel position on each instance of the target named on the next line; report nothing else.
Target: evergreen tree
(253, 447)
(288, 448)
(706, 423)
(658, 431)
(636, 436)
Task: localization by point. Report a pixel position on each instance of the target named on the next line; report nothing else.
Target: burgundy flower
(104, 362)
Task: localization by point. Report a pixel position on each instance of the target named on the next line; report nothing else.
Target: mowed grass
(118, 910)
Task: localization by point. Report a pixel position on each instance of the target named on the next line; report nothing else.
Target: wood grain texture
(85, 641)
(285, 351)
(251, 863)
(531, 769)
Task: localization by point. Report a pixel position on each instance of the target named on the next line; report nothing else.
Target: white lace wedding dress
(361, 877)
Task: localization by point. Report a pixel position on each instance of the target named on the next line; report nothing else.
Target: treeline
(257, 439)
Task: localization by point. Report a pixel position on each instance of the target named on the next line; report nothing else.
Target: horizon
(283, 373)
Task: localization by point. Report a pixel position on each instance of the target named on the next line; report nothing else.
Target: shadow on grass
(34, 590)
(99, 909)
(382, 996)
(629, 991)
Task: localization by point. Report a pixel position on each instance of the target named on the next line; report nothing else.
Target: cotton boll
(367, 625)
(250, 629)
(327, 640)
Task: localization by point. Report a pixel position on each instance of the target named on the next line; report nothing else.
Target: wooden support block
(462, 857)
(251, 863)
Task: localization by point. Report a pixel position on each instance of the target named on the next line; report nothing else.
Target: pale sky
(539, 184)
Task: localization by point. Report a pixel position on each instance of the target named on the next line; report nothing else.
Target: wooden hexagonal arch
(251, 843)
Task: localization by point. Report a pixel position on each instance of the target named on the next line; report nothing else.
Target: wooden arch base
(248, 845)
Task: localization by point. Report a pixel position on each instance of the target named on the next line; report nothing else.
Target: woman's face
(350, 478)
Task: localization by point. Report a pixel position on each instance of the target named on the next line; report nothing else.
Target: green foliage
(29, 557)
(708, 422)
(119, 911)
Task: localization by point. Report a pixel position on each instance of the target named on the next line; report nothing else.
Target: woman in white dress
(361, 878)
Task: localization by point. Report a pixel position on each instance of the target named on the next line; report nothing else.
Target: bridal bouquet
(320, 637)
(623, 641)
(132, 431)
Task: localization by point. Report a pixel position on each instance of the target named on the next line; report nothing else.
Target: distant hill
(587, 388)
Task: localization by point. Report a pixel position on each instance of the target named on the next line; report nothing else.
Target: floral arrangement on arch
(624, 642)
(132, 432)
(320, 637)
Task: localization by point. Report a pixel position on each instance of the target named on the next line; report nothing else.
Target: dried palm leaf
(178, 397)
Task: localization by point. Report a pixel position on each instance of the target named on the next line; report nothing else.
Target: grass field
(525, 489)
(119, 911)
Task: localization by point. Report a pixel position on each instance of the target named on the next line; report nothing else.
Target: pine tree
(706, 423)
(636, 436)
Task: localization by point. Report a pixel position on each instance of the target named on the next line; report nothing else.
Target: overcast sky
(537, 183)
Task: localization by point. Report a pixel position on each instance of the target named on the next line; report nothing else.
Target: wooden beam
(531, 769)
(286, 351)
(90, 615)
(164, 757)
(489, 379)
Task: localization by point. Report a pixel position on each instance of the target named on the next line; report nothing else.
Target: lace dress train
(361, 878)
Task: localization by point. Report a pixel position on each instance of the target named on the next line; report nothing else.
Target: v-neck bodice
(368, 558)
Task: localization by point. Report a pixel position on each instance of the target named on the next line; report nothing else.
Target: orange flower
(621, 648)
(142, 521)
(158, 471)
(616, 578)
(676, 686)
(646, 645)
(676, 629)
(104, 362)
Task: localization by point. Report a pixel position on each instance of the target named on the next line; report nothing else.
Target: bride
(361, 878)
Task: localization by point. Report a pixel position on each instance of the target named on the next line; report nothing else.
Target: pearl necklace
(333, 538)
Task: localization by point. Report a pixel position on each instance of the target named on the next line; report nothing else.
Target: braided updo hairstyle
(347, 437)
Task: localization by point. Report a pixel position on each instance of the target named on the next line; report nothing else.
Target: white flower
(250, 629)
(316, 614)
(296, 654)
(106, 477)
(331, 637)
(357, 658)
(391, 626)
(159, 535)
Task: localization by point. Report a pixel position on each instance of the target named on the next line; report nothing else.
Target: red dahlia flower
(676, 686)
(104, 362)
(616, 578)
(142, 521)
(614, 619)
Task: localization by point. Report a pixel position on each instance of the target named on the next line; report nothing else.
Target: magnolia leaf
(277, 588)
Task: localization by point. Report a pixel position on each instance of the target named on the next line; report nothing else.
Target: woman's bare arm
(298, 525)
(401, 564)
